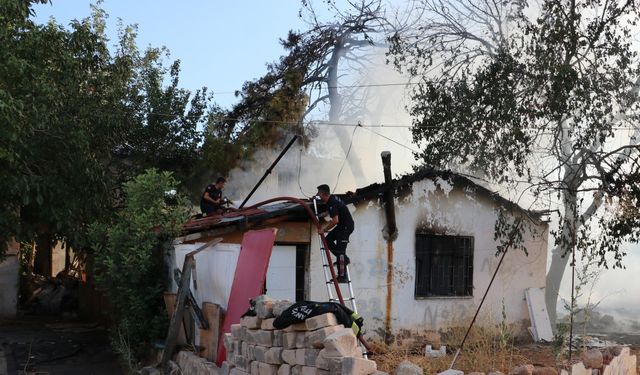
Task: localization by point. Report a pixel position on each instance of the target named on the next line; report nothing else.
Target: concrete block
(408, 368)
(579, 369)
(301, 340)
(273, 356)
(242, 363)
(545, 371)
(300, 354)
(289, 356)
(237, 347)
(476, 373)
(592, 358)
(267, 324)
(251, 322)
(244, 334)
(228, 341)
(264, 338)
(342, 343)
(451, 372)
(321, 321)
(296, 370)
(430, 352)
(267, 369)
(231, 358)
(522, 370)
(250, 354)
(237, 371)
(310, 356)
(248, 335)
(315, 339)
(358, 366)
(260, 353)
(331, 364)
(244, 349)
(308, 370)
(380, 373)
(254, 368)
(236, 331)
(296, 328)
(278, 337)
(433, 338)
(289, 340)
(284, 369)
(225, 368)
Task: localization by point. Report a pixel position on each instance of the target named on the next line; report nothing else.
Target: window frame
(426, 290)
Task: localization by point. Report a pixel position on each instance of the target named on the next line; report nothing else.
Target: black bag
(301, 311)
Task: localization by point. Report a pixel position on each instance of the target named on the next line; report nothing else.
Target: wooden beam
(209, 337)
(183, 291)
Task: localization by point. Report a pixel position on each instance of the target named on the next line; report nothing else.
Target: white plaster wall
(453, 212)
(215, 269)
(216, 266)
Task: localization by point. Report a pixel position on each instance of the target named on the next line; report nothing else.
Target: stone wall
(317, 346)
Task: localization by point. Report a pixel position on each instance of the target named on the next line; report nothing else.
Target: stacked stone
(317, 346)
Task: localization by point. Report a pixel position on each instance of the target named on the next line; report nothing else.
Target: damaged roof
(243, 218)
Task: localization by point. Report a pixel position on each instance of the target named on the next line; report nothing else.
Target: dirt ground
(488, 355)
(51, 346)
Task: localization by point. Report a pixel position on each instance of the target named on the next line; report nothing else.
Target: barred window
(444, 266)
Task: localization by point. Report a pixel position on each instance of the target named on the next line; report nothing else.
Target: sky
(222, 44)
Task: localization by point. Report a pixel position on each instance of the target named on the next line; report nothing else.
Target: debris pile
(319, 345)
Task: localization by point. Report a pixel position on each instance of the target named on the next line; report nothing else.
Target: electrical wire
(346, 156)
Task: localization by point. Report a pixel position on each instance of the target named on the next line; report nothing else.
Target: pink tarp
(248, 282)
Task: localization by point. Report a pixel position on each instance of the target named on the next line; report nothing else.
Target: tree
(546, 102)
(78, 121)
(60, 96)
(307, 77)
(129, 256)
(165, 121)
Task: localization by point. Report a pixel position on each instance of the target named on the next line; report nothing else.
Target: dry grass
(486, 350)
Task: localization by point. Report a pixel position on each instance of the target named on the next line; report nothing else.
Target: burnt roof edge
(376, 190)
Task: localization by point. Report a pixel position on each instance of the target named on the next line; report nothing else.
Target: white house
(441, 261)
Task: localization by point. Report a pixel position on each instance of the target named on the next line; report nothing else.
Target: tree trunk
(335, 111)
(561, 254)
(43, 261)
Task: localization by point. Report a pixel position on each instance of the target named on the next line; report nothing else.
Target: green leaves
(129, 255)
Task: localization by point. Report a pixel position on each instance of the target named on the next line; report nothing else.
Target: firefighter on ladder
(339, 229)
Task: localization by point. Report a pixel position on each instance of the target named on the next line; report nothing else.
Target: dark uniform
(338, 238)
(208, 207)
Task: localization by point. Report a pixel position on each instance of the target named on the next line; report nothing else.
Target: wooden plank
(209, 337)
(248, 280)
(176, 318)
(170, 303)
(183, 290)
(541, 325)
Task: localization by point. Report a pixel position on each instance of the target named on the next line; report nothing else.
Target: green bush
(129, 260)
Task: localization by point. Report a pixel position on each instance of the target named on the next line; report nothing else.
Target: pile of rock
(317, 346)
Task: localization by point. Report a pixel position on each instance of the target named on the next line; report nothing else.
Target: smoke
(384, 126)
(615, 295)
